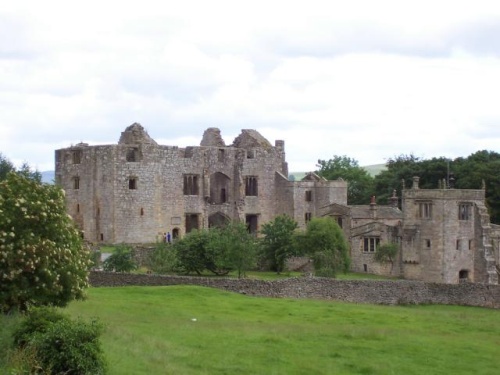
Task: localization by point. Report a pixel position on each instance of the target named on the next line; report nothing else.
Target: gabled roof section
(311, 176)
(135, 134)
(372, 227)
(334, 209)
(250, 138)
(212, 138)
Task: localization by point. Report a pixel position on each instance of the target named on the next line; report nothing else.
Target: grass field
(151, 330)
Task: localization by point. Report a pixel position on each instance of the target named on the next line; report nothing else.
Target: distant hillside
(373, 170)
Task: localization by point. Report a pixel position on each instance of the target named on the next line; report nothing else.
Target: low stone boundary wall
(387, 292)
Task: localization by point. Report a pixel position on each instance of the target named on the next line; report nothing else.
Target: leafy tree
(231, 247)
(163, 259)
(191, 251)
(470, 173)
(360, 183)
(386, 253)
(42, 260)
(121, 260)
(328, 247)
(219, 250)
(5, 167)
(278, 242)
(467, 173)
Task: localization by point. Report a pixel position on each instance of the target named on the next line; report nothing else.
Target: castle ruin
(137, 190)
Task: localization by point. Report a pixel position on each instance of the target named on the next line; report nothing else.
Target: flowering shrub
(42, 260)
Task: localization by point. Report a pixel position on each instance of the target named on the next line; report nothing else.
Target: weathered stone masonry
(357, 291)
(137, 190)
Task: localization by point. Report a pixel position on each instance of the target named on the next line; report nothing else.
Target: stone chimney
(394, 199)
(373, 208)
(416, 179)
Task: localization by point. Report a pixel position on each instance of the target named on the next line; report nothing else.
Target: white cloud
(365, 79)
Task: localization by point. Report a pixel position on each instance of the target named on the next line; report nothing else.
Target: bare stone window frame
(76, 182)
(191, 184)
(132, 155)
(307, 217)
(464, 211)
(308, 196)
(251, 186)
(425, 209)
(132, 183)
(77, 156)
(221, 155)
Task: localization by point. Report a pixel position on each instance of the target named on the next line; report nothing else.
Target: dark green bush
(37, 321)
(61, 345)
(70, 347)
(121, 260)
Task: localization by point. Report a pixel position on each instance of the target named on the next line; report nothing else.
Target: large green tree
(461, 173)
(231, 247)
(218, 250)
(278, 242)
(42, 260)
(360, 183)
(327, 245)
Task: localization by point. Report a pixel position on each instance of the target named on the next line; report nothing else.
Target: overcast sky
(367, 79)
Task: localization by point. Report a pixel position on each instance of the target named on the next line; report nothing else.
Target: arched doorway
(218, 220)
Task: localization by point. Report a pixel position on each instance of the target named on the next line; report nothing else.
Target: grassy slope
(150, 331)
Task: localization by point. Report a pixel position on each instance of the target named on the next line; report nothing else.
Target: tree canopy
(278, 242)
(328, 247)
(360, 183)
(42, 260)
(462, 173)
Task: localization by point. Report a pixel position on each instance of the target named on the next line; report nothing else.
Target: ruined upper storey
(135, 134)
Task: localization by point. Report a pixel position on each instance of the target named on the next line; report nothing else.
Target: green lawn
(151, 330)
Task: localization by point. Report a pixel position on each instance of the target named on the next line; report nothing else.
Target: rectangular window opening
(251, 186)
(370, 244)
(308, 195)
(464, 211)
(191, 185)
(132, 183)
(77, 157)
(76, 183)
(221, 155)
(425, 210)
(307, 217)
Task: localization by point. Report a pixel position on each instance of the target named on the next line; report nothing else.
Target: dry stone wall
(357, 291)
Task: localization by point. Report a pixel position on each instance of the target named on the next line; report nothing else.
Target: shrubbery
(50, 342)
(121, 260)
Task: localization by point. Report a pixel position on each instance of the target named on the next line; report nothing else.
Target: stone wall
(357, 291)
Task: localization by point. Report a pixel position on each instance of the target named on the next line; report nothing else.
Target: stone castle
(137, 190)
